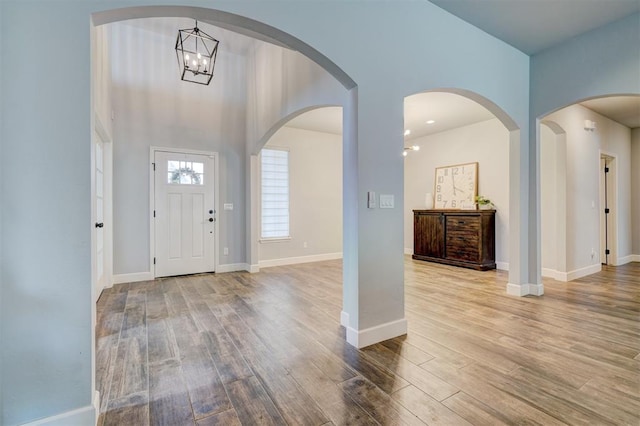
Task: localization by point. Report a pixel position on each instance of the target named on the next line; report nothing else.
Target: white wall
(154, 108)
(583, 185)
(315, 182)
(635, 192)
(487, 143)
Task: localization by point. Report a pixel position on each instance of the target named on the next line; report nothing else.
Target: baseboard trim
(80, 417)
(583, 272)
(344, 319)
(627, 259)
(232, 267)
(254, 269)
(408, 251)
(503, 266)
(96, 405)
(556, 275)
(132, 278)
(301, 259)
(525, 289)
(378, 333)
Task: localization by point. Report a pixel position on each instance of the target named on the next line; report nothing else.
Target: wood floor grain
(267, 348)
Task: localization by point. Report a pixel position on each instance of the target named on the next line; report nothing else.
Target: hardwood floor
(267, 348)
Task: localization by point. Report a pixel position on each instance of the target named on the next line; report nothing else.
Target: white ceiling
(326, 120)
(534, 25)
(623, 109)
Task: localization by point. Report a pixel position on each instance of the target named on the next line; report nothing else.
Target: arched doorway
(586, 183)
(470, 129)
(261, 123)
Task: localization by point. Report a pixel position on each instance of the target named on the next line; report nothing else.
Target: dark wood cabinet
(455, 237)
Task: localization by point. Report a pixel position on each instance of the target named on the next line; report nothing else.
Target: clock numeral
(453, 203)
(454, 171)
(439, 197)
(438, 188)
(440, 179)
(444, 204)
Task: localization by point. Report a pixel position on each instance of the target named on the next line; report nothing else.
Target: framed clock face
(456, 186)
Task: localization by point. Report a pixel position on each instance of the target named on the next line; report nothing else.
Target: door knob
(210, 211)
(99, 224)
(210, 219)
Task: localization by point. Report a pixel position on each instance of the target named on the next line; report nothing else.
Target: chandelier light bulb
(404, 153)
(186, 57)
(194, 63)
(199, 56)
(416, 147)
(204, 62)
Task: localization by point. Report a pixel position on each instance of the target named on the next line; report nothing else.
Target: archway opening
(588, 152)
(147, 114)
(456, 129)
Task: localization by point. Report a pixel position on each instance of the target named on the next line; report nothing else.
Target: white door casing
(184, 212)
(99, 199)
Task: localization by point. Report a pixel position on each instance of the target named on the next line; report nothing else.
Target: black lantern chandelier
(196, 51)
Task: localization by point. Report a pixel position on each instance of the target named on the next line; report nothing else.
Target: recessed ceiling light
(407, 132)
(431, 121)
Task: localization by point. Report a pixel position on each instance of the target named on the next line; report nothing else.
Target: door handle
(99, 224)
(210, 219)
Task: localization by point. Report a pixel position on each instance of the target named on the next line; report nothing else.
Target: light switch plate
(386, 201)
(228, 206)
(371, 200)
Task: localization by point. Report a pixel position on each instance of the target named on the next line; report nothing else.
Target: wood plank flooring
(267, 349)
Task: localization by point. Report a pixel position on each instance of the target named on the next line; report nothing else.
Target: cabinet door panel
(428, 234)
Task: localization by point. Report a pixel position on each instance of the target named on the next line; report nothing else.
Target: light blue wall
(391, 49)
(46, 263)
(604, 61)
(2, 180)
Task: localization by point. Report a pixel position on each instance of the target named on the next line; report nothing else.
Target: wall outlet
(226, 251)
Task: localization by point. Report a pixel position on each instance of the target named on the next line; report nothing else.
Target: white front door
(99, 224)
(184, 213)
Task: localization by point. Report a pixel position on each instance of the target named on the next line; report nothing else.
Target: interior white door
(184, 213)
(99, 224)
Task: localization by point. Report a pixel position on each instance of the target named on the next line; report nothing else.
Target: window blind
(275, 193)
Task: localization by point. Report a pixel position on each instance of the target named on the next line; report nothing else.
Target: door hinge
(154, 213)
(154, 260)
(154, 166)
(606, 211)
(606, 170)
(607, 251)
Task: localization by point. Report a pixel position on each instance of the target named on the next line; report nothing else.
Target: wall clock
(456, 186)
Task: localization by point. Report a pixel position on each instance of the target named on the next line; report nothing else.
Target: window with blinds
(275, 193)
